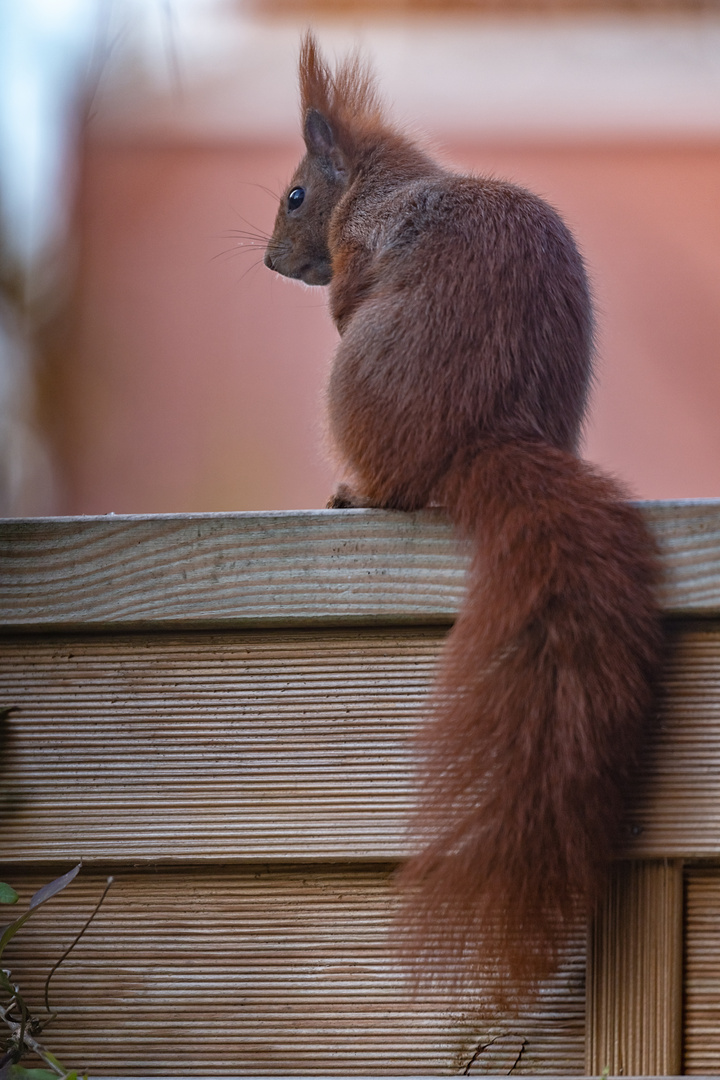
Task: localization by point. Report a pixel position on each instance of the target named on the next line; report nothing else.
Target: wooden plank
(634, 973)
(213, 746)
(688, 533)
(342, 566)
(280, 745)
(701, 1054)
(281, 569)
(677, 809)
(223, 971)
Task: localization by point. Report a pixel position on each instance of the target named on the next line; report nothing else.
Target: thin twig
(74, 943)
(31, 1043)
(480, 1049)
(520, 1054)
(24, 1017)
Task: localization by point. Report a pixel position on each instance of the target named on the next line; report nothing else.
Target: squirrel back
(461, 380)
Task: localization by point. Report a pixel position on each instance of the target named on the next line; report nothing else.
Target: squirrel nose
(268, 261)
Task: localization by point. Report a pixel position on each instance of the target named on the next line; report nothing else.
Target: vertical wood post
(634, 973)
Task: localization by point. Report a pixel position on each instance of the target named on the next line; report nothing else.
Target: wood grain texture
(230, 701)
(701, 1055)
(213, 746)
(280, 745)
(282, 569)
(676, 812)
(346, 566)
(634, 973)
(288, 971)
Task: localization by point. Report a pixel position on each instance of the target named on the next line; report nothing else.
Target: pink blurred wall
(194, 377)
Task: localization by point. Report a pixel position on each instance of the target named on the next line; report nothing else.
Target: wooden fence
(218, 710)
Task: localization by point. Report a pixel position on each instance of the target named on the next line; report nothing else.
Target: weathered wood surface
(701, 1028)
(249, 744)
(346, 566)
(281, 745)
(635, 973)
(331, 566)
(284, 971)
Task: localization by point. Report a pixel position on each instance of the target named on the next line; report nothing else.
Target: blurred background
(148, 360)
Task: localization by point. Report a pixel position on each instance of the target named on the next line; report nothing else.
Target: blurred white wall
(232, 73)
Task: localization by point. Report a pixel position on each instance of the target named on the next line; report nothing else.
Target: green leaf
(10, 931)
(54, 887)
(7, 894)
(17, 1072)
(46, 893)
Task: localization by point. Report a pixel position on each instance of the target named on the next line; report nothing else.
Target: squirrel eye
(296, 198)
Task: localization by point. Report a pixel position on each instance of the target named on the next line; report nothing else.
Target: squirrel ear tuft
(320, 141)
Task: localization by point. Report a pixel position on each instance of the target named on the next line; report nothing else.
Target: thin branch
(31, 1043)
(480, 1049)
(523, 1044)
(74, 943)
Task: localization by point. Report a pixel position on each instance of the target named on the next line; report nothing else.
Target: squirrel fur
(461, 380)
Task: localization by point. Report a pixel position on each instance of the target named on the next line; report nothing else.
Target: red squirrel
(461, 380)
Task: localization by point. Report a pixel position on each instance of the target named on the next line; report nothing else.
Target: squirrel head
(298, 247)
(340, 115)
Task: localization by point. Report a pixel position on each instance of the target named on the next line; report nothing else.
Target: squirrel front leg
(347, 498)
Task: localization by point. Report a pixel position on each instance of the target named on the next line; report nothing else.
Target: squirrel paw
(346, 499)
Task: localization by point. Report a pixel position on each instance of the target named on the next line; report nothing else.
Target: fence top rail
(317, 567)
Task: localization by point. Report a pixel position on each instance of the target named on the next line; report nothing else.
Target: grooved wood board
(280, 745)
(252, 731)
(634, 973)
(231, 971)
(213, 746)
(332, 566)
(702, 972)
(678, 797)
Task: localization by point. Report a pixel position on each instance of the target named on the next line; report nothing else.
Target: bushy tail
(545, 691)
